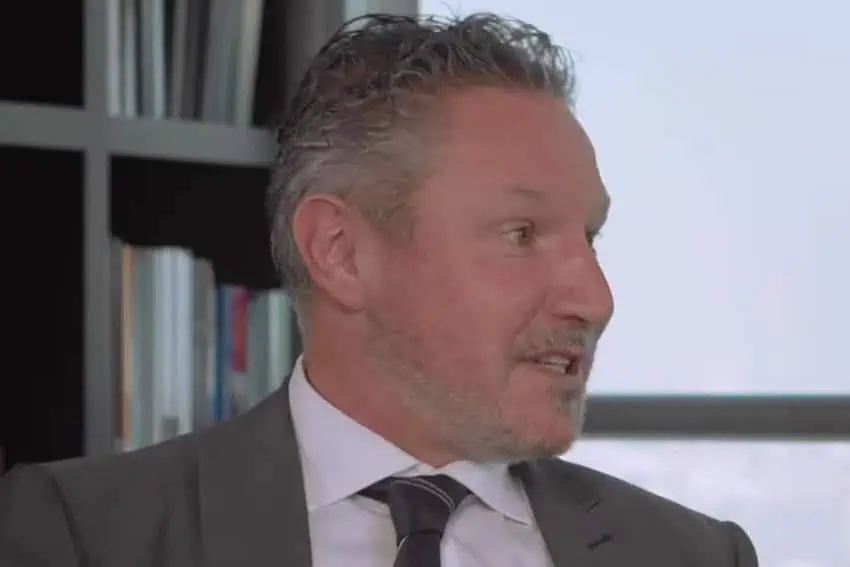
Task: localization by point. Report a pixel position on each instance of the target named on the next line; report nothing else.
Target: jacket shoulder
(108, 477)
(624, 494)
(660, 521)
(102, 507)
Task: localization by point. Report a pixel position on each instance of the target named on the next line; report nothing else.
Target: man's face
(488, 319)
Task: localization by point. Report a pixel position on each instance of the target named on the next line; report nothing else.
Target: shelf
(197, 142)
(150, 182)
(44, 126)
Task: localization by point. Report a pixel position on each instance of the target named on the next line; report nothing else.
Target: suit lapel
(571, 515)
(252, 503)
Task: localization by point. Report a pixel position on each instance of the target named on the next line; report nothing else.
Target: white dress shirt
(492, 528)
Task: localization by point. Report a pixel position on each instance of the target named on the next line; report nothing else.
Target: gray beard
(476, 432)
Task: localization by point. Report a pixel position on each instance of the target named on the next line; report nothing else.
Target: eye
(522, 235)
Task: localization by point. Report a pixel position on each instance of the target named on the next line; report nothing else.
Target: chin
(560, 433)
(550, 440)
(556, 446)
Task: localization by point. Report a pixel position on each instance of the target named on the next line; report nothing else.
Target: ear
(325, 232)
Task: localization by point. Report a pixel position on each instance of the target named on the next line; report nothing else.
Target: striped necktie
(420, 508)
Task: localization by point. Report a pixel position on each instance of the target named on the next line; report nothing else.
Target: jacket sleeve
(34, 527)
(743, 551)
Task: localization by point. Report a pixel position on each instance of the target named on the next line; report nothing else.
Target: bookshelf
(96, 172)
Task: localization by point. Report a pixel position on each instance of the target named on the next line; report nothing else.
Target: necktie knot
(419, 505)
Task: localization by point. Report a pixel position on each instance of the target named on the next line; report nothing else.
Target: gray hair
(360, 121)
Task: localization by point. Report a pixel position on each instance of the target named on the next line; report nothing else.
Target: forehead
(496, 140)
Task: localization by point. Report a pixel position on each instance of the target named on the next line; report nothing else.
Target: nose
(580, 290)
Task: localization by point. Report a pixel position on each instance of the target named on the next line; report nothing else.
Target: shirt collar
(367, 457)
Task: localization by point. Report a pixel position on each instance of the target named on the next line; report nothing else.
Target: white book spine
(248, 49)
(141, 389)
(129, 58)
(153, 58)
(182, 383)
(113, 56)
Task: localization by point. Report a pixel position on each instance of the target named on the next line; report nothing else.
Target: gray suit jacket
(232, 496)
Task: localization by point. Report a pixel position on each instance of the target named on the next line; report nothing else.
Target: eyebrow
(535, 196)
(540, 199)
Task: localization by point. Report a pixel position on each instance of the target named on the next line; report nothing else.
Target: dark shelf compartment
(42, 49)
(270, 87)
(41, 394)
(215, 211)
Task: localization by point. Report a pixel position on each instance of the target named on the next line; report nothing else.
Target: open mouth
(568, 364)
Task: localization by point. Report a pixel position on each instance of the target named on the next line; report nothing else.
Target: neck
(340, 373)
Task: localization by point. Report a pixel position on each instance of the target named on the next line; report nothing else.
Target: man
(434, 206)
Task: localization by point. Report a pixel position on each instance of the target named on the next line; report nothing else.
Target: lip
(575, 369)
(559, 381)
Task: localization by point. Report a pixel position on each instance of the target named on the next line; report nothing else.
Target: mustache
(572, 338)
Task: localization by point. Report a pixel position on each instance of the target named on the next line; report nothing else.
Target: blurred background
(133, 156)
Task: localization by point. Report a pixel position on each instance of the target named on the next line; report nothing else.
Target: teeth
(555, 363)
(556, 360)
(562, 368)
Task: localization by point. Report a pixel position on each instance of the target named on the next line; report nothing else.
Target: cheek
(464, 312)
(477, 307)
